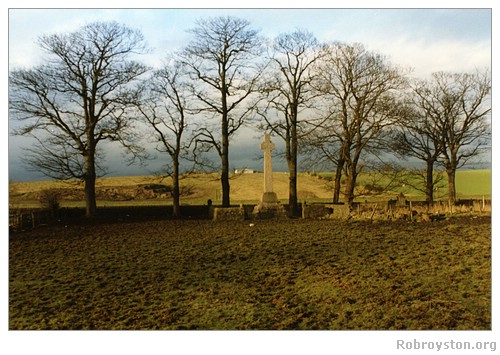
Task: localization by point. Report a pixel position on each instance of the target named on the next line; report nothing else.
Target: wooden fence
(25, 219)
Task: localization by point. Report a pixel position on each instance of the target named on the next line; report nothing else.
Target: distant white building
(244, 171)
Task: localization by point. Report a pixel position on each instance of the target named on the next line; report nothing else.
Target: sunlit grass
(245, 189)
(297, 274)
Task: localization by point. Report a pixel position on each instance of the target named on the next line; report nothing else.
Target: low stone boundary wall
(394, 210)
(229, 214)
(315, 211)
(22, 219)
(325, 210)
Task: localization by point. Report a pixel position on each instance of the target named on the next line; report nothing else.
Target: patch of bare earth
(297, 274)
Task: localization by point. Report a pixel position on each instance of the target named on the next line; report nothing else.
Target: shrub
(374, 189)
(50, 199)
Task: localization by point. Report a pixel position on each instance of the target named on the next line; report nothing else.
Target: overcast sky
(426, 40)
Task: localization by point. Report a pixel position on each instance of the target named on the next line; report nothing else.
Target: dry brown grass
(198, 188)
(244, 188)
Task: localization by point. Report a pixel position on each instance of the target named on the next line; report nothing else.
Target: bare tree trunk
(452, 193)
(338, 180)
(429, 182)
(225, 181)
(352, 175)
(292, 187)
(176, 189)
(225, 143)
(450, 163)
(351, 184)
(225, 167)
(292, 167)
(89, 187)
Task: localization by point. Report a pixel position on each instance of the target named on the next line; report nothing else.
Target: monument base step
(269, 210)
(269, 198)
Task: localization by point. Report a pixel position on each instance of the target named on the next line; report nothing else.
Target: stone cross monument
(269, 206)
(267, 146)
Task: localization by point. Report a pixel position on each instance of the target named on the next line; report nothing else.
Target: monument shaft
(267, 146)
(269, 206)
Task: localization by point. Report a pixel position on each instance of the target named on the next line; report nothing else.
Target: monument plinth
(269, 206)
(269, 197)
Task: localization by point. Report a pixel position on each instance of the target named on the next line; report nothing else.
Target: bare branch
(223, 61)
(81, 96)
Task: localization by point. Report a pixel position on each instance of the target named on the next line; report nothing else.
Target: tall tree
(80, 97)
(165, 106)
(362, 87)
(419, 136)
(223, 63)
(460, 107)
(290, 91)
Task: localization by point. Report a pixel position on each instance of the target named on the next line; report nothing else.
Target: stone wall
(229, 214)
(269, 211)
(315, 211)
(331, 211)
(340, 211)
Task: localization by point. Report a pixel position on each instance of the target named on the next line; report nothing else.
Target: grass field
(245, 188)
(296, 274)
(474, 183)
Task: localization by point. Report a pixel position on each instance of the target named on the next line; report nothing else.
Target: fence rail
(20, 219)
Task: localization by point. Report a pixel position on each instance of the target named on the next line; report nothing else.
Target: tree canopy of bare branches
(418, 136)
(222, 60)
(362, 89)
(290, 92)
(458, 106)
(78, 98)
(165, 106)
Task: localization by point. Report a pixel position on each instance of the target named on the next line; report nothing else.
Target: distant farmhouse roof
(244, 171)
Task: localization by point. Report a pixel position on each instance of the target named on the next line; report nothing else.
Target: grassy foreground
(297, 274)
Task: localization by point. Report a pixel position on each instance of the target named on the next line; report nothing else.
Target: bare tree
(222, 60)
(325, 147)
(459, 106)
(419, 136)
(362, 88)
(290, 92)
(165, 106)
(79, 98)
